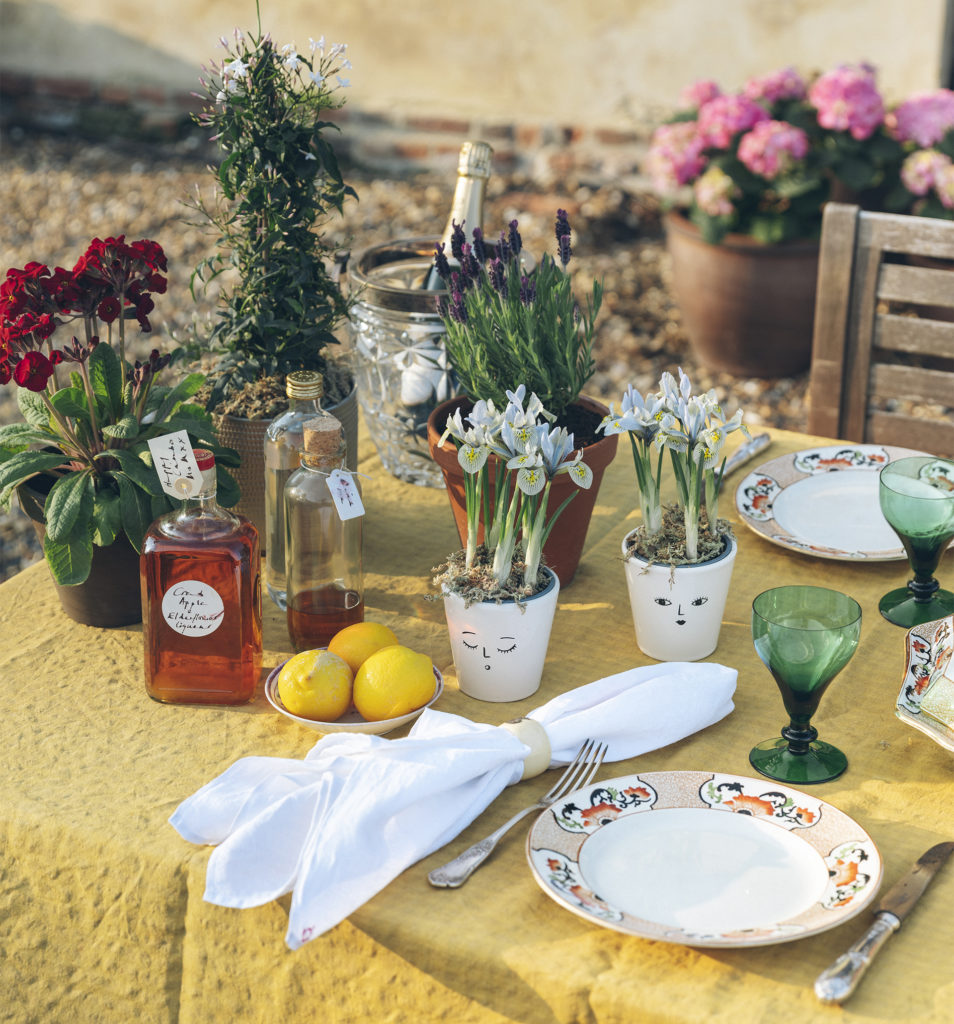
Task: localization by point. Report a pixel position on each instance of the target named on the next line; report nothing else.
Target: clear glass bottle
(200, 572)
(322, 550)
(467, 208)
(283, 442)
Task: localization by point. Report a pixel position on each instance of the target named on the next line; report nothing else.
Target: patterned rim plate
(350, 721)
(704, 859)
(823, 502)
(926, 700)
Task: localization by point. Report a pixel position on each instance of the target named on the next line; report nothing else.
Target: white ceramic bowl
(350, 721)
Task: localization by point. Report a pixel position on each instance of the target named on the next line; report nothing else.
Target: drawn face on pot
(487, 650)
(679, 608)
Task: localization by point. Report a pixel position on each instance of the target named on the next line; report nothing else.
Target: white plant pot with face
(677, 611)
(499, 649)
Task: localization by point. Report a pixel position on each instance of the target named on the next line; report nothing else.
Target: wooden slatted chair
(883, 345)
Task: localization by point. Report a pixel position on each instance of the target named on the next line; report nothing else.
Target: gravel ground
(58, 193)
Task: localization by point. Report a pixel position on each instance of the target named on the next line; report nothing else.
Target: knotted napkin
(338, 826)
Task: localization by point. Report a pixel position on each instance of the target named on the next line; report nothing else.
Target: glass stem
(922, 590)
(799, 737)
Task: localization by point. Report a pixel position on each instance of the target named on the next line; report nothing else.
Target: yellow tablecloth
(101, 910)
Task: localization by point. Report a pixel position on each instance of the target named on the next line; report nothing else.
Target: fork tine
(585, 771)
(594, 766)
(569, 771)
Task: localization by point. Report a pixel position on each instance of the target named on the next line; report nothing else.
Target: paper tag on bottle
(193, 608)
(175, 465)
(345, 495)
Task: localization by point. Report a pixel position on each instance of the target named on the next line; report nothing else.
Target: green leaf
(142, 475)
(21, 465)
(70, 559)
(107, 517)
(227, 490)
(135, 509)
(186, 388)
(106, 378)
(17, 436)
(125, 429)
(69, 502)
(71, 402)
(33, 408)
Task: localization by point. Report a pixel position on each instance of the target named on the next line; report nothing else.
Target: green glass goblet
(804, 636)
(917, 499)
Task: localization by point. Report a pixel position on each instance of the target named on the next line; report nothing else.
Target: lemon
(360, 640)
(317, 685)
(392, 682)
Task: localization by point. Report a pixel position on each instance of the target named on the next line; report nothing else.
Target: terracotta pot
(110, 596)
(247, 437)
(677, 610)
(565, 544)
(499, 649)
(748, 307)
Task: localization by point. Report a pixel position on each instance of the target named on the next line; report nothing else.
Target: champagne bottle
(467, 209)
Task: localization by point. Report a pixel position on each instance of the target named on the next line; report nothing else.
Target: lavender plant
(504, 324)
(524, 455)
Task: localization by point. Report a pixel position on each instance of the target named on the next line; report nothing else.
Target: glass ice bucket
(399, 356)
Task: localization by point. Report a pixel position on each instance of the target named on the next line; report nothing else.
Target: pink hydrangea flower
(944, 186)
(699, 93)
(847, 99)
(675, 156)
(771, 148)
(721, 118)
(714, 193)
(784, 84)
(925, 118)
(920, 170)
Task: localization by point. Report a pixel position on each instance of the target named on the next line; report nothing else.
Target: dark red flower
(157, 284)
(33, 371)
(5, 372)
(108, 309)
(143, 308)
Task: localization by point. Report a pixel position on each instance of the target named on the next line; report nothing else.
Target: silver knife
(836, 983)
(742, 454)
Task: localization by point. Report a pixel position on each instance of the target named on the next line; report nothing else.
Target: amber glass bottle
(202, 601)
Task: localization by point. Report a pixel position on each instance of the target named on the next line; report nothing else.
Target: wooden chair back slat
(910, 334)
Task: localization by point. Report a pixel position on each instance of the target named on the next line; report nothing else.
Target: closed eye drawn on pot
(503, 645)
(696, 602)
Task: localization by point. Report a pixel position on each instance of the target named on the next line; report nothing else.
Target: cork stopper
(304, 384)
(475, 158)
(323, 436)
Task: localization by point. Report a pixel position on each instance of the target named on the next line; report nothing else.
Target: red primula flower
(33, 371)
(108, 309)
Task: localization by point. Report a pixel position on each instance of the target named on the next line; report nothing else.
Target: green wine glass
(917, 499)
(804, 636)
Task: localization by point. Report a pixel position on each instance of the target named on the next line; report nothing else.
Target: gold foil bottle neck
(304, 384)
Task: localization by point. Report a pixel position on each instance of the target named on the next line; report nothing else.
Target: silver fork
(578, 773)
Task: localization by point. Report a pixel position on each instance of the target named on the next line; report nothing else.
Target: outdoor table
(101, 910)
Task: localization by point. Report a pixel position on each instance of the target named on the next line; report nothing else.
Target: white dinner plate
(926, 700)
(823, 502)
(704, 859)
(351, 720)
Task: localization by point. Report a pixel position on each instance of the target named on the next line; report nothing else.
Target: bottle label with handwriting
(193, 608)
(344, 493)
(175, 464)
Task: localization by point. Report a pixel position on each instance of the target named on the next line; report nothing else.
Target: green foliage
(277, 184)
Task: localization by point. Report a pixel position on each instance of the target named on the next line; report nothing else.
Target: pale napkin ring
(532, 733)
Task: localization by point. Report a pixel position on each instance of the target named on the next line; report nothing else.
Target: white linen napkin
(338, 826)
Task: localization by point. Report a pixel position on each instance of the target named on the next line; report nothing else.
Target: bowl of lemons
(364, 681)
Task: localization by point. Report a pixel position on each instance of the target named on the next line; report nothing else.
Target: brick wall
(387, 144)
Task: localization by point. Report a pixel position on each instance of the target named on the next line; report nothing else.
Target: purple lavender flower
(458, 239)
(528, 290)
(498, 275)
(469, 267)
(480, 249)
(565, 251)
(458, 310)
(440, 262)
(516, 242)
(504, 252)
(562, 224)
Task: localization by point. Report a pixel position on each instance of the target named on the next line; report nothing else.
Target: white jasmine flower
(235, 68)
(316, 77)
(343, 82)
(220, 97)
(337, 48)
(347, 65)
(318, 44)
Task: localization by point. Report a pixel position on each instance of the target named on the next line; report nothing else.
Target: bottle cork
(322, 436)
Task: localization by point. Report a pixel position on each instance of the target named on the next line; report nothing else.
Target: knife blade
(742, 455)
(836, 983)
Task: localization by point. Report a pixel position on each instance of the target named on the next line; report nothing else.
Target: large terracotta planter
(565, 544)
(247, 437)
(110, 596)
(748, 307)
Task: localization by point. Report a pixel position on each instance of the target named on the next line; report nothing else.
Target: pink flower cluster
(771, 148)
(924, 118)
(847, 99)
(698, 94)
(675, 156)
(784, 84)
(723, 117)
(927, 169)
